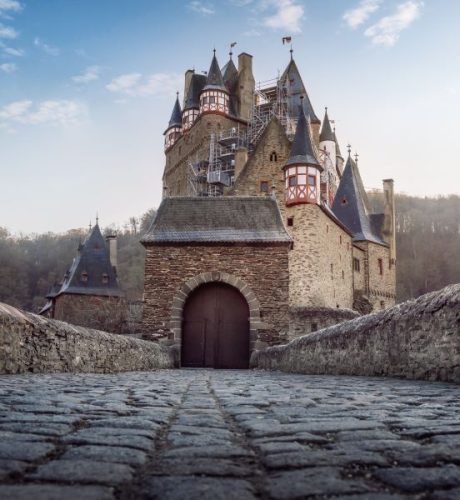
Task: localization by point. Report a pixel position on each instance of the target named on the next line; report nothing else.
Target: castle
(264, 229)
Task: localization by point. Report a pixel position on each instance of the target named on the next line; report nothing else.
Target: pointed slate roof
(337, 147)
(302, 150)
(292, 80)
(93, 259)
(230, 74)
(351, 206)
(326, 130)
(192, 99)
(176, 115)
(249, 219)
(215, 80)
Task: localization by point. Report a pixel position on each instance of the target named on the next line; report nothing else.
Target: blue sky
(87, 87)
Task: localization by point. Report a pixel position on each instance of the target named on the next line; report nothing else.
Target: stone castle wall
(92, 311)
(304, 320)
(32, 343)
(417, 339)
(196, 140)
(320, 264)
(264, 269)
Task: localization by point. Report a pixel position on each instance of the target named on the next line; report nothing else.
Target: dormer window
(105, 279)
(301, 185)
(273, 156)
(84, 277)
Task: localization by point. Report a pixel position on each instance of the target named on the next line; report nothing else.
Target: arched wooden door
(215, 328)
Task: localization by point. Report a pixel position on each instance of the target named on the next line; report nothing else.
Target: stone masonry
(417, 339)
(32, 343)
(260, 272)
(227, 435)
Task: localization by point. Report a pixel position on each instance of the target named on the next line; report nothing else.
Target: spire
(351, 205)
(302, 150)
(326, 131)
(214, 80)
(292, 82)
(337, 147)
(176, 115)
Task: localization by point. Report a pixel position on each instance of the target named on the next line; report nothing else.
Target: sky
(87, 89)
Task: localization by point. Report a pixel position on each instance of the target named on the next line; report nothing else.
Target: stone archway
(177, 306)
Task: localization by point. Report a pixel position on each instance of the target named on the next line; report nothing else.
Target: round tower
(174, 130)
(214, 98)
(302, 170)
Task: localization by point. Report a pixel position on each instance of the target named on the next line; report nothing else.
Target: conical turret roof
(351, 205)
(215, 80)
(296, 92)
(93, 261)
(302, 150)
(230, 74)
(176, 115)
(337, 147)
(326, 130)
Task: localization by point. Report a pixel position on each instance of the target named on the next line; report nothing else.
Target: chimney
(241, 157)
(188, 78)
(389, 218)
(112, 244)
(246, 86)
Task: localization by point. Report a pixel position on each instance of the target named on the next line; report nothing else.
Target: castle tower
(327, 140)
(302, 170)
(194, 84)
(245, 86)
(329, 178)
(215, 96)
(173, 132)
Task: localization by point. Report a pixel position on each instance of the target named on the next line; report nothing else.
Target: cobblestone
(208, 434)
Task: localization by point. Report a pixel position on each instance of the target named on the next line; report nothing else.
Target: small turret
(214, 97)
(302, 170)
(326, 139)
(192, 101)
(173, 132)
(339, 159)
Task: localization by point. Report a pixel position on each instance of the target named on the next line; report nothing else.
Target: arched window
(84, 277)
(105, 279)
(273, 156)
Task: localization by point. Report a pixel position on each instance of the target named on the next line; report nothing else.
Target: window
(212, 100)
(264, 186)
(311, 180)
(290, 221)
(84, 276)
(380, 262)
(356, 265)
(292, 181)
(105, 279)
(340, 239)
(344, 201)
(273, 156)
(314, 327)
(343, 274)
(382, 304)
(332, 271)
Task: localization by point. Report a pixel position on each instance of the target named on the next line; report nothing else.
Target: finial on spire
(214, 51)
(231, 47)
(177, 94)
(97, 219)
(292, 52)
(349, 149)
(90, 225)
(356, 157)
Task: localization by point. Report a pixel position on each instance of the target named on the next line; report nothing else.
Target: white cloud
(11, 51)
(8, 32)
(49, 49)
(202, 8)
(388, 29)
(11, 5)
(59, 112)
(90, 74)
(357, 16)
(134, 84)
(286, 15)
(8, 67)
(124, 83)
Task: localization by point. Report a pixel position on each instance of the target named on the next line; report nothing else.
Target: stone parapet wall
(304, 320)
(418, 339)
(31, 343)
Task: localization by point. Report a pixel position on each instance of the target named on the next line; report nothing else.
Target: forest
(428, 252)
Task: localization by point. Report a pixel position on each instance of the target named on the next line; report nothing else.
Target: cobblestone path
(199, 434)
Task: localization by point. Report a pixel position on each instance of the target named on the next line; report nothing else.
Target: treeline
(428, 252)
(427, 243)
